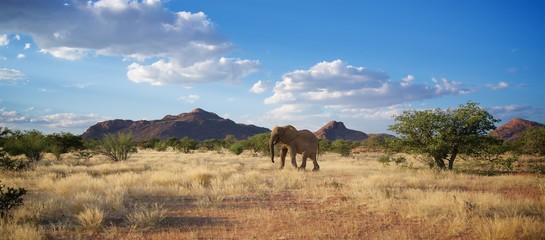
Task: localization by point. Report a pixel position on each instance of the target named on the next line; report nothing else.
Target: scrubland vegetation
(217, 194)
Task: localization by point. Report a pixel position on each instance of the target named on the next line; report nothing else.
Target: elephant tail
(317, 151)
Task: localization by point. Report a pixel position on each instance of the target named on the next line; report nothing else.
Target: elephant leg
(283, 153)
(303, 163)
(316, 166)
(292, 155)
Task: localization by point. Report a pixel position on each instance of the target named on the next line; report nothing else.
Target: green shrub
(161, 146)
(64, 142)
(186, 144)
(237, 147)
(32, 144)
(10, 199)
(342, 147)
(385, 159)
(117, 147)
(9, 164)
(211, 145)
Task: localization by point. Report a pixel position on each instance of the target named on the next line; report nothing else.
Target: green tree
(32, 144)
(238, 147)
(342, 147)
(324, 145)
(63, 142)
(186, 144)
(259, 143)
(444, 134)
(532, 141)
(211, 145)
(117, 147)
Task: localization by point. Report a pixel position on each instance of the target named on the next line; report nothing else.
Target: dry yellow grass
(168, 195)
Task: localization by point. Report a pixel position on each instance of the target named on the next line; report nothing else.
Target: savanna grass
(218, 194)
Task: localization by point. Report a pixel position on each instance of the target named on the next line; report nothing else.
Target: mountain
(336, 130)
(197, 124)
(512, 130)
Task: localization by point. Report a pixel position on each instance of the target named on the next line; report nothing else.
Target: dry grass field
(169, 195)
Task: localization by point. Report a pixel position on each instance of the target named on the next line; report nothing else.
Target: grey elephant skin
(294, 142)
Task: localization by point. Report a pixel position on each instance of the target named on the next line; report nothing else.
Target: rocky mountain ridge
(197, 124)
(337, 130)
(512, 129)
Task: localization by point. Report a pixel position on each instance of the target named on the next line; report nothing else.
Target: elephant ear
(288, 133)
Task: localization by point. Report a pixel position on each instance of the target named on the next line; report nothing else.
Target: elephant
(295, 141)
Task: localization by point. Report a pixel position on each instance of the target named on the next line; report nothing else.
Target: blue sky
(67, 64)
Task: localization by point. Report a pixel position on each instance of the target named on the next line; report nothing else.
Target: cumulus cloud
(337, 83)
(68, 120)
(12, 75)
(11, 116)
(58, 120)
(178, 48)
(337, 90)
(499, 86)
(4, 41)
(27, 46)
(192, 98)
(259, 87)
(508, 112)
(21, 56)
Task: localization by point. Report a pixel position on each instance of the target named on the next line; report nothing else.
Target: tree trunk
(453, 156)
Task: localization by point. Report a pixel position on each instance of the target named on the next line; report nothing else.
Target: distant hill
(336, 130)
(512, 130)
(197, 124)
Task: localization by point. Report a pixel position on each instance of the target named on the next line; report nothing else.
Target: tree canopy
(443, 134)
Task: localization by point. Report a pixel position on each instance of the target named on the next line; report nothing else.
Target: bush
(342, 147)
(10, 199)
(532, 141)
(12, 165)
(237, 147)
(32, 144)
(186, 144)
(64, 142)
(118, 147)
(325, 145)
(211, 145)
(259, 143)
(161, 146)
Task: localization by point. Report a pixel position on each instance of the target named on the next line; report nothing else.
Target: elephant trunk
(271, 148)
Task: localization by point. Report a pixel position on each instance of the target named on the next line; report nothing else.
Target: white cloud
(166, 47)
(499, 86)
(4, 41)
(406, 81)
(337, 83)
(380, 113)
(67, 53)
(164, 72)
(336, 90)
(508, 112)
(190, 98)
(70, 121)
(11, 117)
(12, 75)
(259, 87)
(21, 56)
(27, 46)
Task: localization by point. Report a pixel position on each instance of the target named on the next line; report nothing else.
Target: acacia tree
(444, 134)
